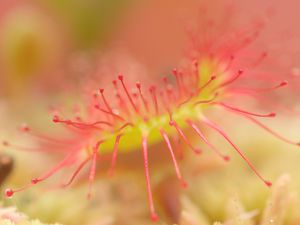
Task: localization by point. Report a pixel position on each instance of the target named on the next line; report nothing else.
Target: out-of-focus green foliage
(90, 21)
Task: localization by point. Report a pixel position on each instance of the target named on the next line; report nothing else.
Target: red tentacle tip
(174, 71)
(240, 72)
(226, 158)
(283, 83)
(35, 181)
(272, 114)
(24, 128)
(298, 143)
(184, 184)
(120, 77)
(101, 90)
(97, 106)
(55, 119)
(268, 183)
(138, 85)
(172, 123)
(9, 192)
(152, 88)
(213, 77)
(195, 62)
(198, 151)
(154, 217)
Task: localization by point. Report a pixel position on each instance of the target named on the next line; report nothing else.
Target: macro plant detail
(127, 118)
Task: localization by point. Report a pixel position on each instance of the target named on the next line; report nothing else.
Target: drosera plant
(126, 118)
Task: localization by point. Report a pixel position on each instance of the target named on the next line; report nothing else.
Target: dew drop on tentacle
(9, 192)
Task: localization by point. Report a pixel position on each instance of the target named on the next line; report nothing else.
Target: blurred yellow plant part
(10, 216)
(277, 209)
(191, 214)
(31, 222)
(30, 44)
(278, 204)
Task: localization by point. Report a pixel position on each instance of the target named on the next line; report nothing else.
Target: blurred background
(53, 51)
(47, 46)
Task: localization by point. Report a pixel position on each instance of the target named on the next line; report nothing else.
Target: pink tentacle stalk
(153, 215)
(28, 149)
(120, 77)
(170, 148)
(261, 90)
(208, 100)
(245, 158)
(182, 135)
(92, 172)
(101, 90)
(77, 171)
(65, 162)
(152, 90)
(201, 135)
(212, 78)
(232, 80)
(109, 113)
(233, 108)
(26, 129)
(114, 156)
(145, 103)
(269, 130)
